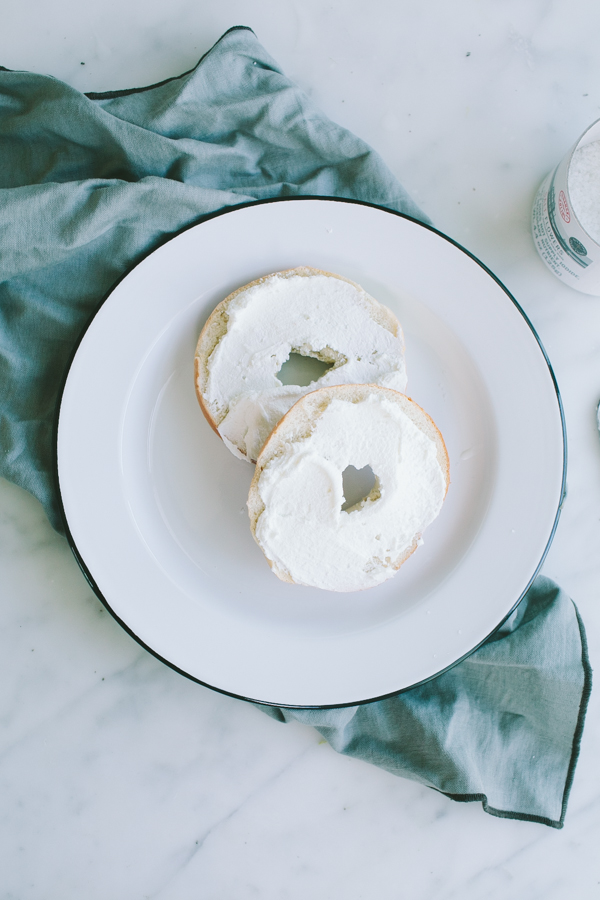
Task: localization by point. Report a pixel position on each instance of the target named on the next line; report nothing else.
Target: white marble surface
(119, 778)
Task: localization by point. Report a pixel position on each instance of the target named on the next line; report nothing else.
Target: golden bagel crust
(215, 329)
(299, 423)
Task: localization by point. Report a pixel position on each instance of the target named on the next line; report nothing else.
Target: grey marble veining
(119, 778)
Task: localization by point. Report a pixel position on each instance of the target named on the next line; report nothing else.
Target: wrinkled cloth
(89, 185)
(503, 726)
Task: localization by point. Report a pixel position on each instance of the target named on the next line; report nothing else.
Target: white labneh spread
(316, 315)
(584, 187)
(303, 529)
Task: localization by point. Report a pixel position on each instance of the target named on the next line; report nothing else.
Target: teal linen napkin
(89, 184)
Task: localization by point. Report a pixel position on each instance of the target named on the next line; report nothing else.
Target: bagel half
(240, 395)
(296, 493)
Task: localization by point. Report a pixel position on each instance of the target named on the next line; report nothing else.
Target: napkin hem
(576, 746)
(126, 92)
(504, 813)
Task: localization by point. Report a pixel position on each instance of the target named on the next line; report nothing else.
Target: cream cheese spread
(318, 315)
(303, 529)
(584, 187)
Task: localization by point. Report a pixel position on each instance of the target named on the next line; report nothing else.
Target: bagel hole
(302, 370)
(358, 485)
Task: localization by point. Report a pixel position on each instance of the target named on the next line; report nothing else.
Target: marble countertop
(120, 778)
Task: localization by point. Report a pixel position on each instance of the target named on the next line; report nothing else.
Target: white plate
(155, 504)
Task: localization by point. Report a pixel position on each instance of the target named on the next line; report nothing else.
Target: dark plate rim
(81, 562)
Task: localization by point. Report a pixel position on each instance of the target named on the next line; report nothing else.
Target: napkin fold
(503, 726)
(89, 185)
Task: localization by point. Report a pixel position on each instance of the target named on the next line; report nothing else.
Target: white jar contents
(302, 528)
(584, 187)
